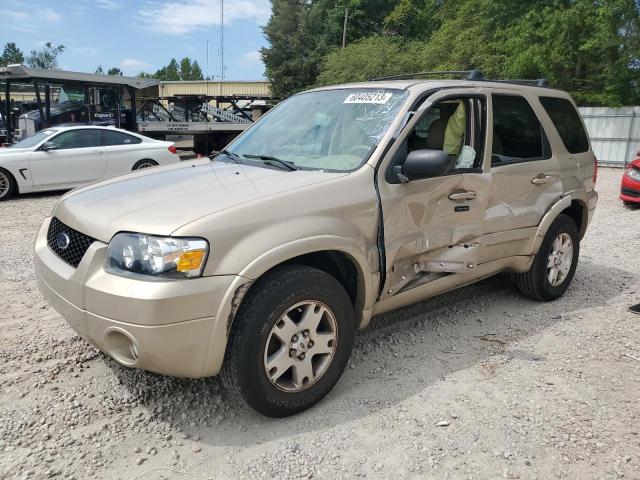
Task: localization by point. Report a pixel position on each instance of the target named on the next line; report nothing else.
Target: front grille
(69, 244)
(630, 192)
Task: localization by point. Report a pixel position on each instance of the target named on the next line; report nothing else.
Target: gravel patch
(478, 383)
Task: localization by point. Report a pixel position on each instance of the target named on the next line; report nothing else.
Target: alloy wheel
(301, 346)
(145, 165)
(560, 259)
(5, 185)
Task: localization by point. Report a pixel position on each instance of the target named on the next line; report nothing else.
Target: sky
(141, 35)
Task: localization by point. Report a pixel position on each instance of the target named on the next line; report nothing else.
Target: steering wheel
(365, 149)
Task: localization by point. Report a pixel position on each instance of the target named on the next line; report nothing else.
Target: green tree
(190, 70)
(196, 71)
(114, 71)
(590, 48)
(302, 33)
(11, 55)
(172, 71)
(45, 57)
(99, 70)
(297, 46)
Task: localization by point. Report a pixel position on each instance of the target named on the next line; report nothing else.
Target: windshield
(328, 130)
(34, 139)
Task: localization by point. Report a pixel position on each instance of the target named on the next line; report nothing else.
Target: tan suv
(340, 204)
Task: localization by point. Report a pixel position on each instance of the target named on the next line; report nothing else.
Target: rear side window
(118, 138)
(567, 123)
(518, 135)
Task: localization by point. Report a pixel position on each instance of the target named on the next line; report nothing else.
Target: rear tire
(8, 186)
(290, 341)
(142, 164)
(552, 269)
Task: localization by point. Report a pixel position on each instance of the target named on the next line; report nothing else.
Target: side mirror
(46, 146)
(425, 164)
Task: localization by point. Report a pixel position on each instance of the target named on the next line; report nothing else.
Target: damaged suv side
(341, 203)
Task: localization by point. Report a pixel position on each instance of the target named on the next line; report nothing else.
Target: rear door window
(110, 138)
(518, 135)
(567, 123)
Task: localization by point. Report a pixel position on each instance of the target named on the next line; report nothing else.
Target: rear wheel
(147, 163)
(7, 185)
(290, 342)
(555, 263)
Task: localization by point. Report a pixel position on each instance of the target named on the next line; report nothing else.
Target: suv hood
(160, 200)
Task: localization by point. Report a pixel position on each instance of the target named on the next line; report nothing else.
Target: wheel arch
(575, 208)
(337, 257)
(147, 159)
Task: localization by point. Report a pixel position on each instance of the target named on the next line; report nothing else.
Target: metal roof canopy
(20, 72)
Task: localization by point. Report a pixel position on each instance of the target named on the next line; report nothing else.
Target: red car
(630, 189)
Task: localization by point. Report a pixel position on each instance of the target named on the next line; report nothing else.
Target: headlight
(157, 256)
(634, 173)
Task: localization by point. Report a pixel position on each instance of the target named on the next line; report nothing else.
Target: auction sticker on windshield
(369, 97)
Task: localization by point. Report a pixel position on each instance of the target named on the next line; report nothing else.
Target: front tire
(555, 263)
(290, 341)
(8, 185)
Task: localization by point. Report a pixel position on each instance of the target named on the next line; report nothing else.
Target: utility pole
(207, 74)
(344, 27)
(222, 40)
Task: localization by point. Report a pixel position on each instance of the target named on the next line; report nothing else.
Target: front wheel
(555, 263)
(290, 342)
(7, 185)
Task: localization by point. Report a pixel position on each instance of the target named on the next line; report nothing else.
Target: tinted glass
(567, 122)
(118, 138)
(77, 139)
(517, 133)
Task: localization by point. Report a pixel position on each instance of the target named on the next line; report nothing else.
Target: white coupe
(61, 158)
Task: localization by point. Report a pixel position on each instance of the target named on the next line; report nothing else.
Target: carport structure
(128, 90)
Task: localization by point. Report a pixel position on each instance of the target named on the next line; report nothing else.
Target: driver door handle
(466, 195)
(542, 178)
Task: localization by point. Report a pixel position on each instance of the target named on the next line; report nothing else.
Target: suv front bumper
(168, 327)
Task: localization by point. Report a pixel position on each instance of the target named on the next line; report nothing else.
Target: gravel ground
(478, 383)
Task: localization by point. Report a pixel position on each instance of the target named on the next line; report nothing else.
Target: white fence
(614, 133)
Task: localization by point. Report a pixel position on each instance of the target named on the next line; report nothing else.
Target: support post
(134, 111)
(47, 104)
(36, 86)
(7, 101)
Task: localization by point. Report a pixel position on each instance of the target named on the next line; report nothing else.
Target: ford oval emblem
(63, 240)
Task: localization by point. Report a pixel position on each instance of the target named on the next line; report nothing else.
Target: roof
(20, 72)
(419, 85)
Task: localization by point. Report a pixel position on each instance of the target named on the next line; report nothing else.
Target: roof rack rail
(540, 82)
(467, 74)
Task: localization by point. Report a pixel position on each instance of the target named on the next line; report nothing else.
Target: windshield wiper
(268, 159)
(233, 156)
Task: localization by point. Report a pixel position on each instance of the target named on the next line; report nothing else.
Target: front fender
(320, 243)
(266, 261)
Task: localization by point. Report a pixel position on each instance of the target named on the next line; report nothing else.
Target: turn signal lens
(173, 149)
(189, 261)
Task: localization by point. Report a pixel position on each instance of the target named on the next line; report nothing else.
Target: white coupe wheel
(7, 185)
(142, 164)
